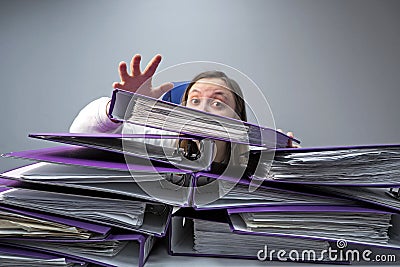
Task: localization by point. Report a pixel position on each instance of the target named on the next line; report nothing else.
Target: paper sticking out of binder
(146, 111)
(394, 192)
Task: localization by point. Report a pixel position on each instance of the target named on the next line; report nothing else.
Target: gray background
(329, 69)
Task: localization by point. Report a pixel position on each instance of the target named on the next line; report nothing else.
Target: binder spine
(192, 184)
(148, 245)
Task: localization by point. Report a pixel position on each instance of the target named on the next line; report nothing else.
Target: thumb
(290, 142)
(163, 88)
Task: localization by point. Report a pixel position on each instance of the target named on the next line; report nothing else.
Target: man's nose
(205, 105)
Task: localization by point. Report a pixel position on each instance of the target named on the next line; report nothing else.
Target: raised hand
(139, 82)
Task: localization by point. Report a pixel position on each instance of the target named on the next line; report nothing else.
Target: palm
(141, 82)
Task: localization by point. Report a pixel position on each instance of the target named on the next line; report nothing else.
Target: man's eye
(217, 104)
(195, 101)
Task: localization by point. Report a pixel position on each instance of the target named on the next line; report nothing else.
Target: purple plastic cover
(101, 229)
(88, 157)
(120, 237)
(111, 237)
(245, 181)
(137, 147)
(305, 208)
(13, 250)
(109, 135)
(333, 148)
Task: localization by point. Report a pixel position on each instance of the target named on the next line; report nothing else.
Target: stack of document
(104, 198)
(170, 186)
(98, 230)
(88, 169)
(386, 198)
(210, 238)
(73, 204)
(113, 250)
(38, 238)
(21, 261)
(359, 165)
(126, 214)
(330, 222)
(15, 257)
(13, 224)
(205, 233)
(201, 190)
(228, 192)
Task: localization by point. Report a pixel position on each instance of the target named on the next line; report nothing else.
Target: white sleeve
(93, 119)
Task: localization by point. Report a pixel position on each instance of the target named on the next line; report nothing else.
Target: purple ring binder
(101, 229)
(120, 102)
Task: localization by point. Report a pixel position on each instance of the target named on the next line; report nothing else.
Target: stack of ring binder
(105, 199)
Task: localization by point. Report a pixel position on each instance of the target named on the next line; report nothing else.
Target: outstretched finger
(135, 65)
(152, 66)
(123, 74)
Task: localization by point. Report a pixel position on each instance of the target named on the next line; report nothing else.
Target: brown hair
(240, 107)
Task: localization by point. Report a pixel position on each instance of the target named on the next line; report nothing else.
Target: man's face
(212, 95)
